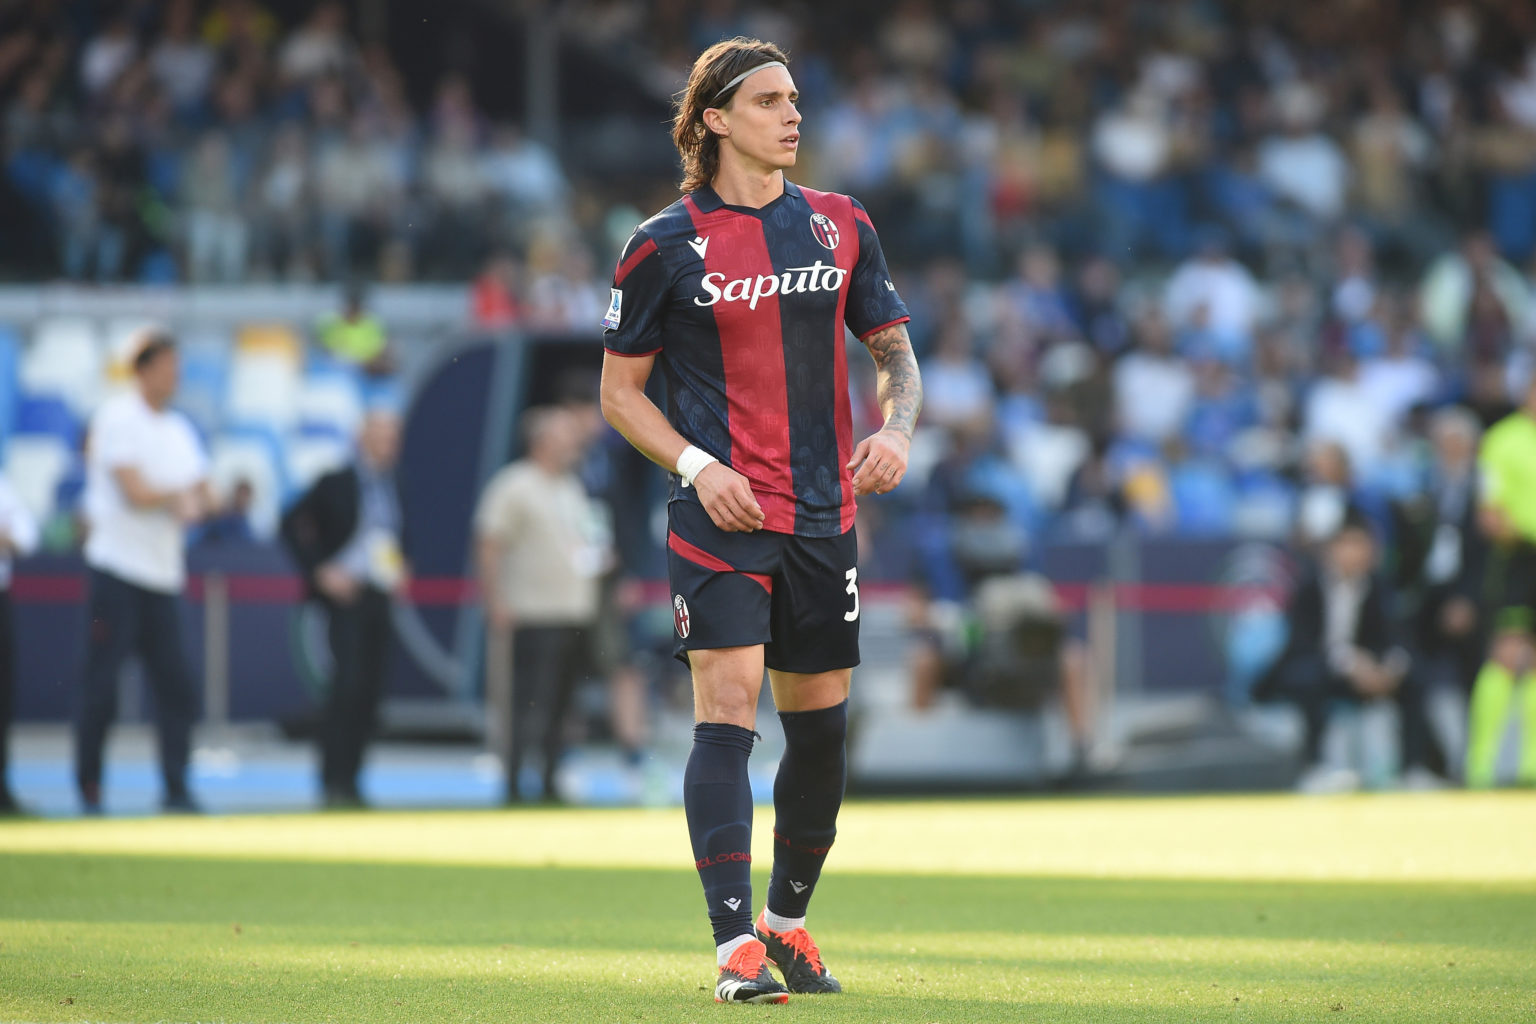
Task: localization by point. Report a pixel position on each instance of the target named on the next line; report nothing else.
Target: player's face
(763, 120)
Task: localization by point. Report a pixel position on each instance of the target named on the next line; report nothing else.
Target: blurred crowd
(207, 142)
(1177, 269)
(1297, 225)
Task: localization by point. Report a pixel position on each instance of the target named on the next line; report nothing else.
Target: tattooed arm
(880, 460)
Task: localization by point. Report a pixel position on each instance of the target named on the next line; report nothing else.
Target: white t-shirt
(143, 546)
(1153, 395)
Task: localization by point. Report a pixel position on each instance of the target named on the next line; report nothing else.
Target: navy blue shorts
(797, 596)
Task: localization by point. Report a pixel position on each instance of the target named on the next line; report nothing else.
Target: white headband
(733, 83)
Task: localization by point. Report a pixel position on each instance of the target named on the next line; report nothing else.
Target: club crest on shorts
(680, 615)
(824, 230)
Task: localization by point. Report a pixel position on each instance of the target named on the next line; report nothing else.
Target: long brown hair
(698, 146)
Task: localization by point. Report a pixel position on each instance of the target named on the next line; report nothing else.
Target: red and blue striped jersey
(745, 310)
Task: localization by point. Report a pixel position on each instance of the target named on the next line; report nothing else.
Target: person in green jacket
(1507, 681)
(356, 336)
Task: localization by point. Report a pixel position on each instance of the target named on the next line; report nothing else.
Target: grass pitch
(1384, 908)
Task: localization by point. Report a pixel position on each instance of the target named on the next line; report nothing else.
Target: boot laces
(746, 960)
(800, 941)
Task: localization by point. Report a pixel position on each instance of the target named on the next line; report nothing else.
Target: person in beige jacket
(542, 548)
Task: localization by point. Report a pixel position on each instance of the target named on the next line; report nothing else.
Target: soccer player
(741, 290)
(1508, 465)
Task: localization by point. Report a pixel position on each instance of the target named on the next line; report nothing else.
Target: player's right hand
(336, 583)
(727, 497)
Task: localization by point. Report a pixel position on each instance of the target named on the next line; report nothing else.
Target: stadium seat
(330, 402)
(277, 340)
(263, 389)
(10, 354)
(310, 456)
(66, 359)
(34, 465)
(253, 454)
(1203, 497)
(1266, 506)
(205, 369)
(47, 415)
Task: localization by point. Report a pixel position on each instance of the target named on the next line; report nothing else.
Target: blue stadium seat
(67, 358)
(331, 400)
(47, 415)
(204, 379)
(1266, 505)
(10, 347)
(1204, 499)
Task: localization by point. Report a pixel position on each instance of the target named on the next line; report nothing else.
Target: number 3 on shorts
(852, 576)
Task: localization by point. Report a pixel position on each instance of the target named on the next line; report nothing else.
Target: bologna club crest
(824, 230)
(680, 615)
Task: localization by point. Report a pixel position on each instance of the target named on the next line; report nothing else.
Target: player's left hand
(879, 462)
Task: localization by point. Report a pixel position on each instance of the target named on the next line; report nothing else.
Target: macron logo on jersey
(818, 277)
(699, 245)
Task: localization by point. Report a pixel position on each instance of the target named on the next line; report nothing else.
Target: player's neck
(742, 186)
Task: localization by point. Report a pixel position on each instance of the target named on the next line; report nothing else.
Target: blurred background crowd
(1184, 270)
(1301, 223)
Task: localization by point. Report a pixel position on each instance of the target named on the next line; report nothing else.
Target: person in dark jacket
(1443, 552)
(1344, 649)
(345, 534)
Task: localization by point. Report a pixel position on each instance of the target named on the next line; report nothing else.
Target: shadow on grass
(147, 937)
(548, 906)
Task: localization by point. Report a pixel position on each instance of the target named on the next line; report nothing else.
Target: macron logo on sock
(734, 902)
(798, 886)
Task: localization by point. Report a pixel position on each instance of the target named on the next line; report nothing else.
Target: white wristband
(692, 462)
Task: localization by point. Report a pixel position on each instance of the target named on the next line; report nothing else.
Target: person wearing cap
(345, 535)
(146, 481)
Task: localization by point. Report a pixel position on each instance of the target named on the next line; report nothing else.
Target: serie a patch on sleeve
(611, 319)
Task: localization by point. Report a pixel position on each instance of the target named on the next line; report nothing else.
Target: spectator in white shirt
(1399, 378)
(1154, 388)
(1302, 164)
(1213, 291)
(1339, 408)
(18, 536)
(146, 480)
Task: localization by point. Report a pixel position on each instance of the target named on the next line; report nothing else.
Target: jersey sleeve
(873, 302)
(632, 325)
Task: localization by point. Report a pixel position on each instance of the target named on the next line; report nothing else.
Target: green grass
(1392, 908)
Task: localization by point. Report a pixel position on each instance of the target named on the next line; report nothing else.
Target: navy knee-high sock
(717, 796)
(806, 796)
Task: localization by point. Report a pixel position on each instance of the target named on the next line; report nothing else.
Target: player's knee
(729, 707)
(822, 728)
